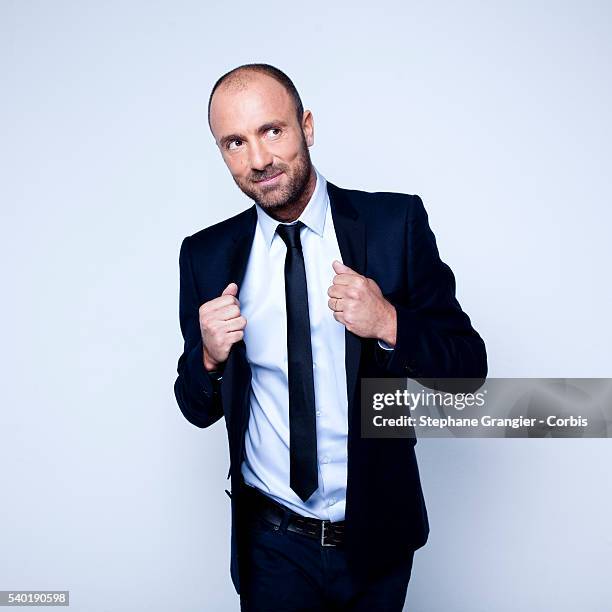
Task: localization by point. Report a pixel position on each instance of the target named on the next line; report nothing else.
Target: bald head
(239, 78)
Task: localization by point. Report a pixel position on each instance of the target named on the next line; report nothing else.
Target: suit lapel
(237, 369)
(243, 240)
(351, 236)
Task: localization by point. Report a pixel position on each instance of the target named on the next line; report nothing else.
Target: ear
(308, 127)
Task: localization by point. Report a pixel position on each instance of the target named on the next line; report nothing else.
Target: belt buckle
(323, 534)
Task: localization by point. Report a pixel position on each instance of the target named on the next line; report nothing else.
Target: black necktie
(303, 477)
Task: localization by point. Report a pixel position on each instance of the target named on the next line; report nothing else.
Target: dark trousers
(283, 571)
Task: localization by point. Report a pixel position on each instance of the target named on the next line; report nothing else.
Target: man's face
(262, 143)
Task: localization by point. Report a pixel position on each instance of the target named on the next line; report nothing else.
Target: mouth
(270, 180)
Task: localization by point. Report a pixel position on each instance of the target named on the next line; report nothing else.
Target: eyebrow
(260, 130)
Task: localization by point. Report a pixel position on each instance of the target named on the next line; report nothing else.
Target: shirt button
(318, 413)
(325, 459)
(332, 501)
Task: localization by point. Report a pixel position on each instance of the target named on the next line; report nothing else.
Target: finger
(341, 268)
(220, 302)
(337, 291)
(220, 311)
(343, 279)
(235, 336)
(339, 316)
(231, 289)
(335, 304)
(235, 324)
(226, 313)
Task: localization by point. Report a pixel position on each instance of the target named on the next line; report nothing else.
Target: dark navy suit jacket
(384, 236)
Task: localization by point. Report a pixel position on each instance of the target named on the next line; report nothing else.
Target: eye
(278, 130)
(231, 142)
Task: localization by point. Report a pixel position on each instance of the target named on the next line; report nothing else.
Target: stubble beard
(280, 197)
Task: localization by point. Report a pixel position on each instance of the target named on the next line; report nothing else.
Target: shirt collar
(313, 216)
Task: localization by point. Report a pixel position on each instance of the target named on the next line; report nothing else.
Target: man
(283, 309)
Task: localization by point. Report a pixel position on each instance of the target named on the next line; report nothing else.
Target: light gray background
(496, 113)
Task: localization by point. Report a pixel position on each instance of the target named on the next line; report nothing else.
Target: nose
(260, 157)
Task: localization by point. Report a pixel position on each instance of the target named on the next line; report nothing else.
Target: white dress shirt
(262, 302)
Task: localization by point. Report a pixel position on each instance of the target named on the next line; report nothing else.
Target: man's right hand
(221, 325)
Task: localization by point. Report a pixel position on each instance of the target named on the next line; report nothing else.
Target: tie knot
(290, 234)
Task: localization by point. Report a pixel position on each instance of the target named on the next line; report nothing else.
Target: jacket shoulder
(391, 202)
(209, 247)
(223, 230)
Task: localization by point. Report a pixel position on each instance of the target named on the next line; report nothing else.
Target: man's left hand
(359, 305)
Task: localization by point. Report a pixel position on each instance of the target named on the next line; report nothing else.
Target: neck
(292, 210)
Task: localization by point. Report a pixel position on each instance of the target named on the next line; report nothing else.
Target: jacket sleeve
(435, 338)
(197, 393)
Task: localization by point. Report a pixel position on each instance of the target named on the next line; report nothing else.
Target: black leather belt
(261, 506)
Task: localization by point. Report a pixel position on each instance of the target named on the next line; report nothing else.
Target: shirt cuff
(385, 346)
